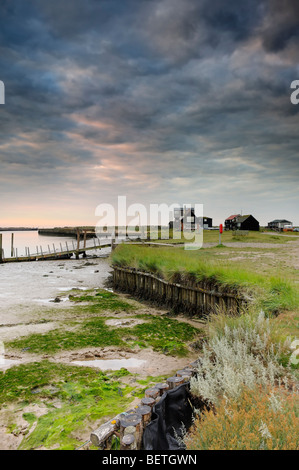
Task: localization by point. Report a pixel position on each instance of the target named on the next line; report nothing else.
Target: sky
(158, 101)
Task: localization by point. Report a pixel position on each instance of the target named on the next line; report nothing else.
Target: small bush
(243, 355)
(258, 420)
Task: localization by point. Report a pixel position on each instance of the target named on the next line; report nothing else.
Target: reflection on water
(35, 243)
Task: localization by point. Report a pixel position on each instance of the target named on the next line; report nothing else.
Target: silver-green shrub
(241, 357)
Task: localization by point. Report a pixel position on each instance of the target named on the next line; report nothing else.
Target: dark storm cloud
(281, 27)
(179, 85)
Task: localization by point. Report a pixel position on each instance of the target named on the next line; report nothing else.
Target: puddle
(112, 364)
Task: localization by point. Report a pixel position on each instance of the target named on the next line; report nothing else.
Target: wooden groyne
(200, 299)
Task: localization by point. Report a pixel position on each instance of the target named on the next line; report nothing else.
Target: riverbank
(76, 353)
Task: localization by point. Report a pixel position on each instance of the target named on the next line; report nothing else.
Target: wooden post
(1, 254)
(148, 401)
(145, 412)
(174, 382)
(152, 393)
(78, 243)
(163, 387)
(12, 240)
(132, 419)
(84, 239)
(127, 442)
(78, 239)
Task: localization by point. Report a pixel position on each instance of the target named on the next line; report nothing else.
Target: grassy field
(212, 236)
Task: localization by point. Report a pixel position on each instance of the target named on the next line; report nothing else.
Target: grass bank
(272, 292)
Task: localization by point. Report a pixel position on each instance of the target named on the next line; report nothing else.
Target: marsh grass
(85, 395)
(99, 300)
(273, 293)
(162, 334)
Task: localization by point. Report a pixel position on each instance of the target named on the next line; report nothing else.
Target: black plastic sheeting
(170, 415)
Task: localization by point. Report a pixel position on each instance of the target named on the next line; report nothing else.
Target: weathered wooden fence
(199, 299)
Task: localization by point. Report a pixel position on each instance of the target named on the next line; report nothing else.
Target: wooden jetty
(76, 249)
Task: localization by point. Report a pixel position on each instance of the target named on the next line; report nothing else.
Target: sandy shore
(27, 288)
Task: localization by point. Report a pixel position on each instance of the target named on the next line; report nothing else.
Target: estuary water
(33, 241)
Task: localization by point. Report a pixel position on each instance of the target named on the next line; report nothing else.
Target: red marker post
(220, 232)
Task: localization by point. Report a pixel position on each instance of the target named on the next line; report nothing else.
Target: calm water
(34, 242)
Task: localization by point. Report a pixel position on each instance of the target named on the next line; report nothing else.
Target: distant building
(185, 219)
(207, 222)
(280, 225)
(241, 222)
(230, 222)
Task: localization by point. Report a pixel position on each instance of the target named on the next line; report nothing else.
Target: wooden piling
(131, 419)
(148, 401)
(174, 382)
(1, 253)
(145, 412)
(152, 392)
(128, 442)
(162, 387)
(12, 243)
(78, 239)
